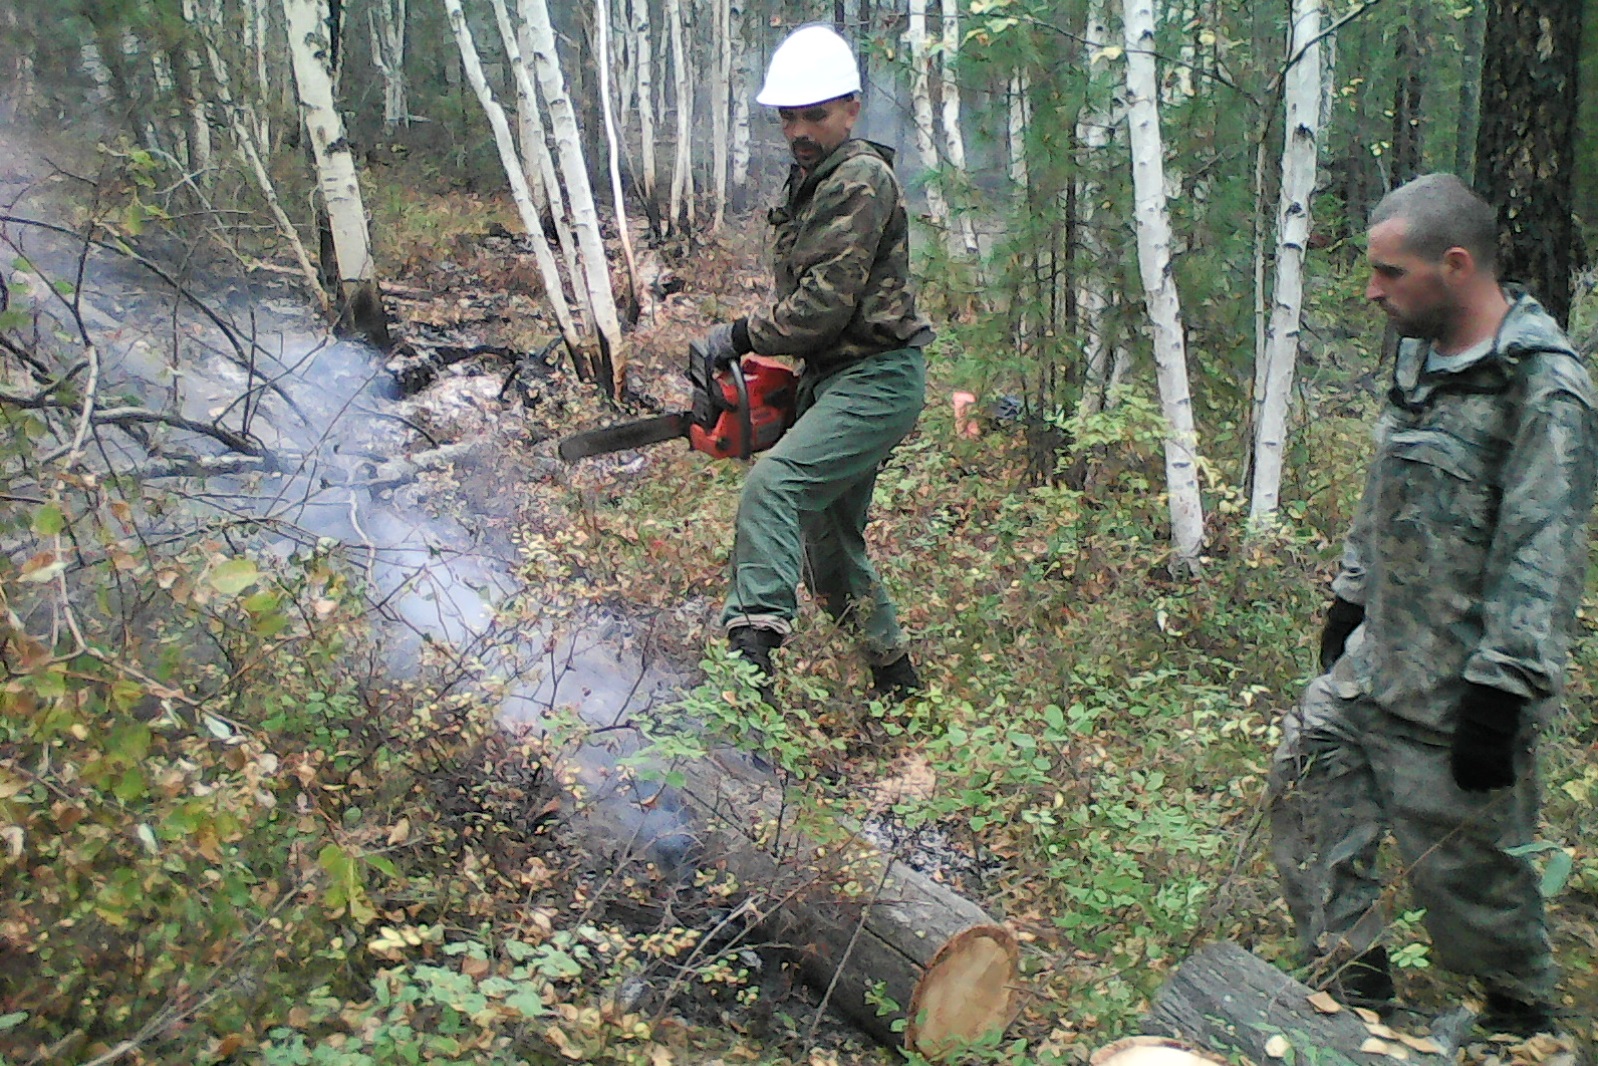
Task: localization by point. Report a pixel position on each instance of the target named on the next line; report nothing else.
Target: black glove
(1342, 618)
(726, 342)
(1483, 755)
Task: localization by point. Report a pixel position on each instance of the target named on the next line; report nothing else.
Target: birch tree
(1274, 378)
(680, 211)
(921, 104)
(1095, 126)
(643, 63)
(538, 165)
(246, 128)
(386, 20)
(742, 88)
(602, 19)
(953, 138)
(359, 302)
(720, 101)
(548, 269)
(1153, 223)
(579, 194)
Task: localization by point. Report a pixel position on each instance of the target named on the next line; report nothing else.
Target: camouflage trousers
(1348, 773)
(804, 507)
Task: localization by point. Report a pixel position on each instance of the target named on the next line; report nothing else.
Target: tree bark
(624, 233)
(643, 60)
(548, 270)
(1274, 380)
(386, 20)
(720, 104)
(574, 171)
(953, 137)
(1095, 128)
(680, 213)
(742, 90)
(1228, 1001)
(1525, 150)
(866, 928)
(926, 138)
(360, 304)
(1159, 287)
(1470, 60)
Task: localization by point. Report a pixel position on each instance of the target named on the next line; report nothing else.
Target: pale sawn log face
(967, 992)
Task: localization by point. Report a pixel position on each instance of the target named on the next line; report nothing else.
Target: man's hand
(721, 347)
(1342, 618)
(1483, 755)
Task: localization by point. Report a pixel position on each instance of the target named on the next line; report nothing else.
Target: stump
(864, 927)
(1229, 1001)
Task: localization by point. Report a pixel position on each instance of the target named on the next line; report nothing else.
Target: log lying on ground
(868, 931)
(1227, 1000)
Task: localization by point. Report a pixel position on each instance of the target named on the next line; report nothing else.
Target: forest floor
(1088, 760)
(1034, 602)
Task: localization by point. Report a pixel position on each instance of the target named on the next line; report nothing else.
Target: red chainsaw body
(744, 425)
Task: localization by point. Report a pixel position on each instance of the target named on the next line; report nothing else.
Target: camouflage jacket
(842, 264)
(1469, 548)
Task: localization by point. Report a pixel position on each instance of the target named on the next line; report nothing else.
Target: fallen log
(906, 958)
(1227, 1000)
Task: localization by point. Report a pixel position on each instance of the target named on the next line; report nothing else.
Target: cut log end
(1152, 1051)
(967, 992)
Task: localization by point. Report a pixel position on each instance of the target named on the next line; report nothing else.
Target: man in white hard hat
(846, 307)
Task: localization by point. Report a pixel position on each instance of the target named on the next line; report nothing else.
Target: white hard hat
(813, 65)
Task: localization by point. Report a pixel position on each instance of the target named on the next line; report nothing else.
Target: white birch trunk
(742, 90)
(720, 101)
(93, 65)
(921, 103)
(256, 47)
(602, 13)
(643, 60)
(537, 160)
(1019, 113)
(954, 139)
(387, 23)
(1303, 100)
(595, 268)
(306, 21)
(681, 205)
(242, 121)
(548, 269)
(1159, 287)
(538, 166)
(1095, 128)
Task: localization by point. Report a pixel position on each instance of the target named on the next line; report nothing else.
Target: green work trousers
(803, 512)
(1346, 774)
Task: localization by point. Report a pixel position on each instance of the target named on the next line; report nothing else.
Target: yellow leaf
(400, 831)
(1373, 1046)
(1277, 1046)
(1423, 1044)
(1325, 1004)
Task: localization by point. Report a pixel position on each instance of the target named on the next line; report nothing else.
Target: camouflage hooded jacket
(1469, 548)
(842, 264)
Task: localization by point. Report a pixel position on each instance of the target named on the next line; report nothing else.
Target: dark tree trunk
(1405, 159)
(1525, 147)
(1470, 92)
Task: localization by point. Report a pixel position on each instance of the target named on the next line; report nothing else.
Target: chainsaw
(738, 410)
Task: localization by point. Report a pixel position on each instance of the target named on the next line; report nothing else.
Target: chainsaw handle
(745, 417)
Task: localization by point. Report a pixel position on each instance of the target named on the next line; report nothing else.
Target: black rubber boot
(896, 681)
(755, 646)
(1516, 1017)
(1366, 980)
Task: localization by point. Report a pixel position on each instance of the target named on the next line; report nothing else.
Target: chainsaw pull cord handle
(746, 423)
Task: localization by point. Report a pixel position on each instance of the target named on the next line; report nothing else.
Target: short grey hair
(1439, 212)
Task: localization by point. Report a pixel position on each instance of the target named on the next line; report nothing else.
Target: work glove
(1483, 755)
(720, 346)
(1342, 618)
